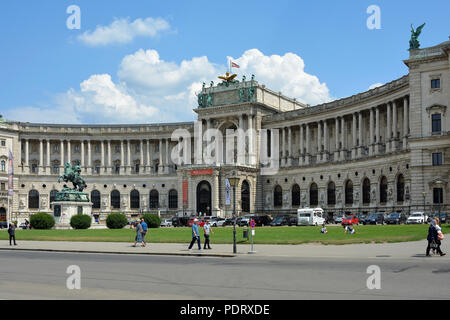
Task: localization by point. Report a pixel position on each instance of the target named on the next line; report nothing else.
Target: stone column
(394, 127)
(377, 130)
(128, 157)
(307, 155)
(61, 150)
(371, 132)
(141, 163)
(300, 159)
(319, 142)
(388, 127)
(336, 133)
(41, 156)
(27, 155)
(48, 157)
(289, 152)
(355, 137)
(161, 165)
(360, 135)
(343, 138)
(251, 151)
(109, 170)
(283, 147)
(241, 141)
(89, 162)
(102, 160)
(148, 167)
(122, 158)
(166, 168)
(69, 155)
(405, 122)
(82, 154)
(325, 140)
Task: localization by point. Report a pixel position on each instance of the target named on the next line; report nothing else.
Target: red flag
(234, 65)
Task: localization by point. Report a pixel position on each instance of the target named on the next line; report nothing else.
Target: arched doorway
(245, 196)
(313, 195)
(2, 215)
(204, 198)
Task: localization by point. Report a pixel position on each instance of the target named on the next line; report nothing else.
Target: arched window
(33, 199)
(95, 199)
(366, 191)
(400, 188)
(277, 196)
(313, 195)
(52, 197)
(173, 199)
(154, 199)
(349, 192)
(331, 193)
(295, 195)
(383, 189)
(134, 199)
(115, 199)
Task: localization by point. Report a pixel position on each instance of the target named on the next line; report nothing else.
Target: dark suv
(261, 221)
(396, 218)
(375, 218)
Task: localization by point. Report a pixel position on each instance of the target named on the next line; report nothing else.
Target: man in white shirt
(207, 230)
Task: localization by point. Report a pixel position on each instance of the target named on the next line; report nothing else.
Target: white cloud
(375, 85)
(151, 90)
(122, 31)
(284, 73)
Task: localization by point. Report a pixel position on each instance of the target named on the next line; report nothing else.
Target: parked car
(262, 221)
(244, 221)
(292, 221)
(338, 219)
(280, 221)
(3, 224)
(215, 221)
(179, 221)
(417, 217)
(350, 220)
(166, 223)
(361, 217)
(375, 218)
(442, 217)
(396, 218)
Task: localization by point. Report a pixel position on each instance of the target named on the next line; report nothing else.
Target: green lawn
(264, 235)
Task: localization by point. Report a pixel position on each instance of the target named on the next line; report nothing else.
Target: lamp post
(234, 180)
(424, 196)
(439, 184)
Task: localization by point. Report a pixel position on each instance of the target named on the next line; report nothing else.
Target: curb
(217, 255)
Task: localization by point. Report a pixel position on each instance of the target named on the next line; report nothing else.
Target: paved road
(42, 275)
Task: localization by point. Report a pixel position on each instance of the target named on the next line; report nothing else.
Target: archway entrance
(2, 215)
(245, 196)
(204, 198)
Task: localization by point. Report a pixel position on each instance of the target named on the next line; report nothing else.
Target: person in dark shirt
(12, 234)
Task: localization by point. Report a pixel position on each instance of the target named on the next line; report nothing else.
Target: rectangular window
(438, 195)
(3, 187)
(3, 142)
(437, 159)
(138, 148)
(97, 148)
(117, 169)
(97, 169)
(435, 83)
(117, 149)
(56, 170)
(436, 123)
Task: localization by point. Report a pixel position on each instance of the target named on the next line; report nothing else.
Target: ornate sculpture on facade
(72, 174)
(414, 42)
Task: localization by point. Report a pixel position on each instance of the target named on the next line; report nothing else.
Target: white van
(310, 217)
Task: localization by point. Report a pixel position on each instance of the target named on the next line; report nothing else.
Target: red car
(349, 220)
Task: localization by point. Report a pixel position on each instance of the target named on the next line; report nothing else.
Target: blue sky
(297, 47)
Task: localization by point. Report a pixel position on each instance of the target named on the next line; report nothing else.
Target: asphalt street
(43, 275)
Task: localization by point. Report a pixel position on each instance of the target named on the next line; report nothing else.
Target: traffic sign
(252, 223)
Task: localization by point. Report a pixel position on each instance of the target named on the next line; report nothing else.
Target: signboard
(201, 172)
(252, 224)
(227, 192)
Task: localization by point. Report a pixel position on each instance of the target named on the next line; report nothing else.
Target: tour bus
(310, 217)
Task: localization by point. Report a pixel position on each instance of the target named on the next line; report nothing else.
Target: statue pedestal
(69, 203)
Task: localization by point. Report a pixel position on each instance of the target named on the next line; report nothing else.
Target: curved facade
(386, 149)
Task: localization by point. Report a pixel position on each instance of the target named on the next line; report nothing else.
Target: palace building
(383, 150)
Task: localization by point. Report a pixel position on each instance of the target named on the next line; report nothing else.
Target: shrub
(42, 221)
(152, 220)
(116, 221)
(80, 221)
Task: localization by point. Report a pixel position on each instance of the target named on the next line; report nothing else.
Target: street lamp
(424, 196)
(439, 184)
(234, 180)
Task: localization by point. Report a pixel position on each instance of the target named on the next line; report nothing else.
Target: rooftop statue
(228, 77)
(414, 42)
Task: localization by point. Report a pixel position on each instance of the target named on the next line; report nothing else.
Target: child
(349, 229)
(324, 229)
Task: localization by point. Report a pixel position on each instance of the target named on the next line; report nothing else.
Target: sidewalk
(402, 250)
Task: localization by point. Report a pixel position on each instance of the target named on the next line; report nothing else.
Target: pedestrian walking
(433, 239)
(12, 234)
(138, 235)
(144, 230)
(207, 230)
(195, 235)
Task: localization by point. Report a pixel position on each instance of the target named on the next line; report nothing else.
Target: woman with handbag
(440, 236)
(433, 240)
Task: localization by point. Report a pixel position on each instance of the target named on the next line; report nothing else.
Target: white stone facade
(386, 149)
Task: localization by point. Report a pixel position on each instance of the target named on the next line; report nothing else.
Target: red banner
(201, 172)
(185, 193)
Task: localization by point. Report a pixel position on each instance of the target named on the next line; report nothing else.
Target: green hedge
(81, 221)
(42, 221)
(152, 220)
(116, 221)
